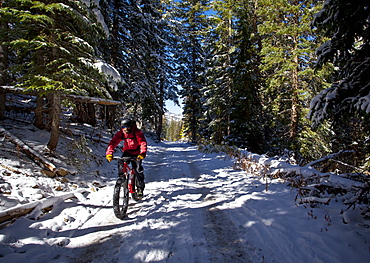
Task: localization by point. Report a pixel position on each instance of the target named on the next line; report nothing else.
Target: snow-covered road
(178, 221)
(196, 209)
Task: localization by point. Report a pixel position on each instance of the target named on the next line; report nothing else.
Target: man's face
(126, 129)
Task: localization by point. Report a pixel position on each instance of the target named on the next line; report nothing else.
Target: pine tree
(55, 46)
(218, 94)
(159, 62)
(248, 118)
(4, 54)
(138, 47)
(346, 23)
(55, 49)
(114, 51)
(345, 104)
(287, 56)
(191, 61)
(233, 101)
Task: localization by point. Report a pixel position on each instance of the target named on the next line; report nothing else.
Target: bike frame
(130, 176)
(124, 186)
(128, 172)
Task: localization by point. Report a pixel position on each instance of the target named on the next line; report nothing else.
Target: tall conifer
(54, 46)
(139, 48)
(288, 45)
(233, 102)
(191, 61)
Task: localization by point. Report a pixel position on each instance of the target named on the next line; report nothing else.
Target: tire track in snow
(178, 220)
(95, 239)
(223, 241)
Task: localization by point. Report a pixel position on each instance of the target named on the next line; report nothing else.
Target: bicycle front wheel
(120, 198)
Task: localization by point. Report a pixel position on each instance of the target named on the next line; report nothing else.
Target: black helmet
(127, 123)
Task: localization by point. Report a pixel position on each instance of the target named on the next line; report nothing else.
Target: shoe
(139, 193)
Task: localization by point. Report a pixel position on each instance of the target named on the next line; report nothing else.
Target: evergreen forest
(275, 77)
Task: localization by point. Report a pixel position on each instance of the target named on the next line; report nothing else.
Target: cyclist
(135, 145)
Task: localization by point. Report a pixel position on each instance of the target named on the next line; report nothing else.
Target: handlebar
(125, 159)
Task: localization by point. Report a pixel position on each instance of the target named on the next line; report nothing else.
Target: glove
(140, 157)
(109, 157)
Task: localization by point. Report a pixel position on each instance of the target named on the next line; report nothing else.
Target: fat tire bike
(125, 185)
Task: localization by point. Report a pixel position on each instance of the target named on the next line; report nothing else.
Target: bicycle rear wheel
(120, 198)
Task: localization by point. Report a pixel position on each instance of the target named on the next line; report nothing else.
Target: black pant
(136, 165)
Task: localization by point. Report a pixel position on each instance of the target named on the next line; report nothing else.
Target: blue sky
(171, 107)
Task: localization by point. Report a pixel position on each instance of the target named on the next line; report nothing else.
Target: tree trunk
(110, 111)
(159, 125)
(38, 158)
(85, 113)
(294, 119)
(3, 75)
(80, 112)
(3, 57)
(39, 115)
(159, 118)
(90, 114)
(107, 115)
(230, 81)
(110, 116)
(55, 120)
(114, 54)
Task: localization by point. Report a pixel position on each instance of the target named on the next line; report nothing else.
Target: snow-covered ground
(196, 209)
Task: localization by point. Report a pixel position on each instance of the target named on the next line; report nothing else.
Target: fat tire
(120, 198)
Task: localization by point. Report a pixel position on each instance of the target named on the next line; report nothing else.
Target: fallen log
(86, 99)
(328, 157)
(93, 100)
(21, 210)
(41, 160)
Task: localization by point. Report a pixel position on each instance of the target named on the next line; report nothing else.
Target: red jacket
(134, 142)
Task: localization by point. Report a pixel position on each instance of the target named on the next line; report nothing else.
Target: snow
(98, 14)
(173, 116)
(363, 104)
(109, 70)
(196, 208)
